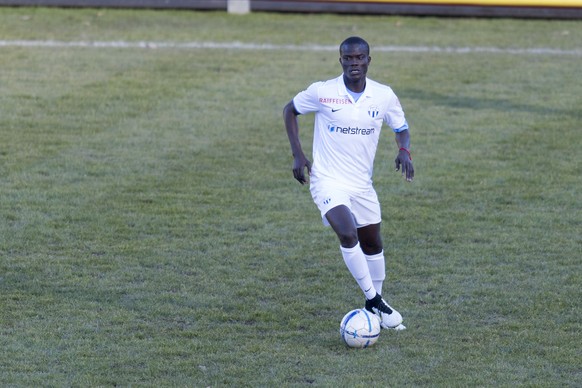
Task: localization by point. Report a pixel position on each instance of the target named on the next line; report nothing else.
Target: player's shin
(356, 262)
(377, 268)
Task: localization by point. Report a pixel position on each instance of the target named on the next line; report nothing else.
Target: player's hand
(299, 165)
(403, 162)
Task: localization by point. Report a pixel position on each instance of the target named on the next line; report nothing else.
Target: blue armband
(402, 128)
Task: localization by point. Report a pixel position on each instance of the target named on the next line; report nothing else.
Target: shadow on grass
(483, 103)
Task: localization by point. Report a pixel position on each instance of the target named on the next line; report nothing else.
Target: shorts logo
(373, 111)
(327, 201)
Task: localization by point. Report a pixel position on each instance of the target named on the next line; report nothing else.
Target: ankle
(376, 300)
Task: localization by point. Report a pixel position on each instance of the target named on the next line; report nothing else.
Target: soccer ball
(360, 328)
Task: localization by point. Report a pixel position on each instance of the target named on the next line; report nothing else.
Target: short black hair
(355, 40)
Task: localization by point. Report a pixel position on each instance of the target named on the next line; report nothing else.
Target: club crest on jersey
(373, 111)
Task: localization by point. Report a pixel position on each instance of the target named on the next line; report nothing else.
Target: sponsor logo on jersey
(351, 130)
(337, 101)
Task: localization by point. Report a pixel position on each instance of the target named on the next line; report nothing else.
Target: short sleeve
(307, 101)
(395, 115)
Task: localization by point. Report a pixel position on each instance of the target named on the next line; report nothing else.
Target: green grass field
(152, 234)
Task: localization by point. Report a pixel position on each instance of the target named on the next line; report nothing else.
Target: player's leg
(341, 220)
(366, 210)
(370, 239)
(371, 243)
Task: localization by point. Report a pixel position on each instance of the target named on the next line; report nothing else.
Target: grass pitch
(152, 234)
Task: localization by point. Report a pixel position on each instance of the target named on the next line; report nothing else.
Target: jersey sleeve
(307, 101)
(395, 115)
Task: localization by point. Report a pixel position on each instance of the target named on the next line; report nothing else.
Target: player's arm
(300, 162)
(403, 160)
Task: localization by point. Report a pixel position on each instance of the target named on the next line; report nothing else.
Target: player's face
(354, 59)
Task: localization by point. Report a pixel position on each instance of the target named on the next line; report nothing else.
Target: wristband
(407, 151)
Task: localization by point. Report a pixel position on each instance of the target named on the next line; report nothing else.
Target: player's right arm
(300, 162)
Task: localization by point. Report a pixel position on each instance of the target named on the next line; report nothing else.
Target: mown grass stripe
(276, 47)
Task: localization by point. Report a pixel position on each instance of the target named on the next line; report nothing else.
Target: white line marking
(279, 47)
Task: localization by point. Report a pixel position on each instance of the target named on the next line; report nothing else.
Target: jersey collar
(343, 90)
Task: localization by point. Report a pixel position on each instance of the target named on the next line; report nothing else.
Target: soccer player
(349, 113)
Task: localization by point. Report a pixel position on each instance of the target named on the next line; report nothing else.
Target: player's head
(357, 41)
(354, 58)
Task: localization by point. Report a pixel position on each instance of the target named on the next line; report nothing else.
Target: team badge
(373, 111)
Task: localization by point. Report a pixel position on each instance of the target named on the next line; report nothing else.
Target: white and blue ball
(360, 328)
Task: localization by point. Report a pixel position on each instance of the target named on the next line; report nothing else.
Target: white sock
(356, 263)
(377, 268)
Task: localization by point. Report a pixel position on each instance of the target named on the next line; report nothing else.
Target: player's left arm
(403, 160)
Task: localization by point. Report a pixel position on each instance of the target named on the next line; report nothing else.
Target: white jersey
(347, 131)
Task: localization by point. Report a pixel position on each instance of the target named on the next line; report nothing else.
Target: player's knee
(348, 240)
(371, 247)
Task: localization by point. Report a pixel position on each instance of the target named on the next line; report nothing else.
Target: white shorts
(364, 206)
